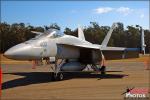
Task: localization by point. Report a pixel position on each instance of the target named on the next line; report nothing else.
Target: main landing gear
(103, 70)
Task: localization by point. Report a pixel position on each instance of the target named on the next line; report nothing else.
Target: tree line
(12, 34)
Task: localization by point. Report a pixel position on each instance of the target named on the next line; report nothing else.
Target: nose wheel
(60, 76)
(57, 77)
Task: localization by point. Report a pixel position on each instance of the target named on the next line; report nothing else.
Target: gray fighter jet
(72, 53)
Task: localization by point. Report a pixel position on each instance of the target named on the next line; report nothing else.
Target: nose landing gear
(57, 75)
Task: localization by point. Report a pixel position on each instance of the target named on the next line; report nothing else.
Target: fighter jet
(72, 53)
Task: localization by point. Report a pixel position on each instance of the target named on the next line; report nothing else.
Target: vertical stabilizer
(81, 33)
(107, 37)
(142, 41)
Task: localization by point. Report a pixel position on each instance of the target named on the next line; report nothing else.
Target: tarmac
(21, 82)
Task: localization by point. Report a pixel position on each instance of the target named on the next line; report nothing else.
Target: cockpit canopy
(50, 33)
(53, 33)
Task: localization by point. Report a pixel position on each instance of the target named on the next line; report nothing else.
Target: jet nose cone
(8, 53)
(18, 52)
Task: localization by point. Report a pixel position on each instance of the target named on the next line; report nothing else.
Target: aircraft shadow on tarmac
(44, 77)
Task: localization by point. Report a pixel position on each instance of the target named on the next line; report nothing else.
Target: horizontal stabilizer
(38, 33)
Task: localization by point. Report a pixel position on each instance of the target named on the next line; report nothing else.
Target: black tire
(60, 76)
(103, 70)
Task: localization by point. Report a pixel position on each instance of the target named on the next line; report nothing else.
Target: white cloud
(102, 10)
(73, 11)
(124, 10)
(142, 16)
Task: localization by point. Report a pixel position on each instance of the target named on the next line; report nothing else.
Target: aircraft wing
(102, 48)
(89, 46)
(110, 53)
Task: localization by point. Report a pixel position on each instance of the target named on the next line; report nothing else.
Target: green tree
(52, 26)
(68, 31)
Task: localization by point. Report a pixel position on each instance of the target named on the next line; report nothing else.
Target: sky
(74, 13)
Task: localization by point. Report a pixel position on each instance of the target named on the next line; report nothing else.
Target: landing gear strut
(103, 70)
(57, 75)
